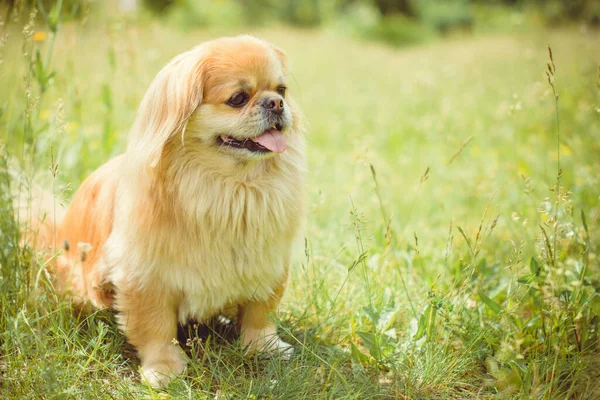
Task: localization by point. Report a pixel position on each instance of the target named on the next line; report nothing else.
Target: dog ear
(171, 99)
(281, 55)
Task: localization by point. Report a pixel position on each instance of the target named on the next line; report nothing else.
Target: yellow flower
(40, 36)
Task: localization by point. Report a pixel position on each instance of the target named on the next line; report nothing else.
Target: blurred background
(451, 242)
(396, 22)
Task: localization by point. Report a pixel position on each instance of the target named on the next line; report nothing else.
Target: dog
(197, 218)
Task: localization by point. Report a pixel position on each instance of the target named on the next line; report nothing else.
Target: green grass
(424, 272)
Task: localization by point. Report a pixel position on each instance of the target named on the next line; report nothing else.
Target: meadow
(451, 240)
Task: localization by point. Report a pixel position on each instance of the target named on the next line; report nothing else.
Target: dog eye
(238, 99)
(281, 90)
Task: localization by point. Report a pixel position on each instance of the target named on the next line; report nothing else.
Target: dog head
(226, 100)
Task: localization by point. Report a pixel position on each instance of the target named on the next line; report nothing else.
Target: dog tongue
(273, 140)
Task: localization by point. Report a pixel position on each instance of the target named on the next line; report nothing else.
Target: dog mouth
(271, 140)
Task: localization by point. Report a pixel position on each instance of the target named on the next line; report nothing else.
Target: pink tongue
(273, 140)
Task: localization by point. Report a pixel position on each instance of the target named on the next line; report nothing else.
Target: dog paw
(267, 342)
(159, 372)
(285, 349)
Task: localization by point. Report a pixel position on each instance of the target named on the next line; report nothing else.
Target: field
(451, 242)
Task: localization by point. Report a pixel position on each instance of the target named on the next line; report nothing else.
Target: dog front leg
(257, 331)
(149, 320)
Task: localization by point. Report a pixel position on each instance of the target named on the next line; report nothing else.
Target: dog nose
(273, 104)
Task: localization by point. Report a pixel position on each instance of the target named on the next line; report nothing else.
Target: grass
(444, 254)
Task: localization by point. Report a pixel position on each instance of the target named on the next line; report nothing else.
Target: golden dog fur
(182, 227)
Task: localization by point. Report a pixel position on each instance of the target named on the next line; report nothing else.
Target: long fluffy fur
(176, 228)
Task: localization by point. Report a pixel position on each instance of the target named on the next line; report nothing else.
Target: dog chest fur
(227, 242)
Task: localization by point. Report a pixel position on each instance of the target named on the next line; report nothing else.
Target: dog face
(227, 99)
(246, 111)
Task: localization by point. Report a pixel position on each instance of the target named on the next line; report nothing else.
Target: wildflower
(40, 36)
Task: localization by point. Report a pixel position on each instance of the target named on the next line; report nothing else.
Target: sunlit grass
(429, 187)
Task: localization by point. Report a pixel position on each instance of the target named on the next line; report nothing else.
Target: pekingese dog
(198, 216)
